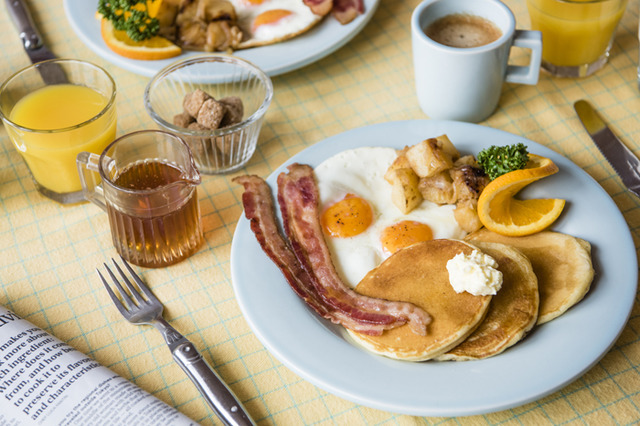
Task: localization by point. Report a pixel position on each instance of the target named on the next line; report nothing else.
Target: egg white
(360, 171)
(301, 19)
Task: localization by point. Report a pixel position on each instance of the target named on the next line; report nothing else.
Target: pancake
(561, 262)
(513, 310)
(418, 274)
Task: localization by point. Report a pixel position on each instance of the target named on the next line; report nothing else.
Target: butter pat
(475, 274)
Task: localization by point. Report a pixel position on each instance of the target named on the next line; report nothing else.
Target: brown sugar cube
(183, 119)
(226, 143)
(198, 145)
(193, 102)
(234, 110)
(211, 113)
(196, 126)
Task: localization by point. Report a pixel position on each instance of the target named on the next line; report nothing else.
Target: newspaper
(44, 381)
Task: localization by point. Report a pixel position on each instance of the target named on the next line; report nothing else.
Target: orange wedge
(147, 50)
(501, 212)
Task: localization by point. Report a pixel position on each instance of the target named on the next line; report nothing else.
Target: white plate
(552, 356)
(320, 41)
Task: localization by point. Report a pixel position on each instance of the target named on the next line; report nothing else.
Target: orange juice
(577, 32)
(62, 120)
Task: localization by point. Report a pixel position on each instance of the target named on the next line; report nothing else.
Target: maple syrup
(157, 220)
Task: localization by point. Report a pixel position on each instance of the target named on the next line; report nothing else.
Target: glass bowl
(220, 76)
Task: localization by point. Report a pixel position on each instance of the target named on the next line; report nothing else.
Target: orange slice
(501, 212)
(151, 49)
(153, 7)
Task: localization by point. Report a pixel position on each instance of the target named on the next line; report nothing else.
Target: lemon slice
(151, 49)
(501, 212)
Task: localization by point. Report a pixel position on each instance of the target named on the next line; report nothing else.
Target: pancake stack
(513, 310)
(543, 275)
(426, 284)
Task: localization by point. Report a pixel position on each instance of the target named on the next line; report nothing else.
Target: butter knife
(52, 73)
(621, 158)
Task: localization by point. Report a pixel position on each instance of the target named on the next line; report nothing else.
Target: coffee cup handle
(529, 74)
(87, 163)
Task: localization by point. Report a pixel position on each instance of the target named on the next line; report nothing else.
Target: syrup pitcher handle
(88, 170)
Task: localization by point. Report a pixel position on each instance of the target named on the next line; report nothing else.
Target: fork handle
(228, 408)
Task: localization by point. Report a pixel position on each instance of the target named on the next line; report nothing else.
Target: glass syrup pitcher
(147, 183)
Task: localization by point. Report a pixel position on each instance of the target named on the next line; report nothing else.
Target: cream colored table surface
(48, 253)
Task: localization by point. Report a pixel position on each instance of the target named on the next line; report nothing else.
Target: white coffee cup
(465, 84)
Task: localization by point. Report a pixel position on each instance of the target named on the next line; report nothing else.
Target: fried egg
(362, 226)
(270, 21)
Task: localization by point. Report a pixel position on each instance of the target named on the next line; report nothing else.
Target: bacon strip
(346, 11)
(319, 7)
(259, 210)
(298, 198)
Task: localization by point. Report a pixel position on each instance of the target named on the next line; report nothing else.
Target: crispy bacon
(307, 266)
(346, 11)
(259, 209)
(298, 198)
(319, 7)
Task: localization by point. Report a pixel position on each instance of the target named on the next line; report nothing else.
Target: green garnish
(498, 160)
(130, 16)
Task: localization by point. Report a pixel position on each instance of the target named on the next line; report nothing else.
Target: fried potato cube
(466, 160)
(400, 162)
(466, 214)
(432, 155)
(438, 188)
(468, 182)
(404, 188)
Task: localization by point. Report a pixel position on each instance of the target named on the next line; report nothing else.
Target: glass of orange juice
(53, 110)
(576, 34)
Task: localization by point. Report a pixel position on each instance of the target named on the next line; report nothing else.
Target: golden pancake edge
(561, 262)
(513, 310)
(418, 274)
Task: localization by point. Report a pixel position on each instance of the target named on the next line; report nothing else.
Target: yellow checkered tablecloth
(48, 253)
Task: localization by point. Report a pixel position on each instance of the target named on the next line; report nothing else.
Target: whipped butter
(475, 273)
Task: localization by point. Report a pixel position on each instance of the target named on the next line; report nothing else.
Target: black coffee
(463, 30)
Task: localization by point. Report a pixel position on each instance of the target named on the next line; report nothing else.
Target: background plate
(325, 38)
(552, 356)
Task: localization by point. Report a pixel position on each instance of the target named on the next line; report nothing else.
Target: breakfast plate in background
(320, 41)
(552, 356)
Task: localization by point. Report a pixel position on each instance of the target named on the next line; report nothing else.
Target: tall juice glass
(50, 120)
(576, 34)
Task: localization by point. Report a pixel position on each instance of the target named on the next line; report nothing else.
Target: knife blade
(52, 73)
(622, 159)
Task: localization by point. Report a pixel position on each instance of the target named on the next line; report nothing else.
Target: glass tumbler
(577, 34)
(52, 111)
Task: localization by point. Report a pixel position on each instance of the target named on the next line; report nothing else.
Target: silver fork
(139, 306)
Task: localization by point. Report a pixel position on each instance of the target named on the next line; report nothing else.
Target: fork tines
(125, 296)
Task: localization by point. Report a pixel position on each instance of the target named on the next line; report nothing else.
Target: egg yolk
(404, 234)
(348, 217)
(270, 17)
